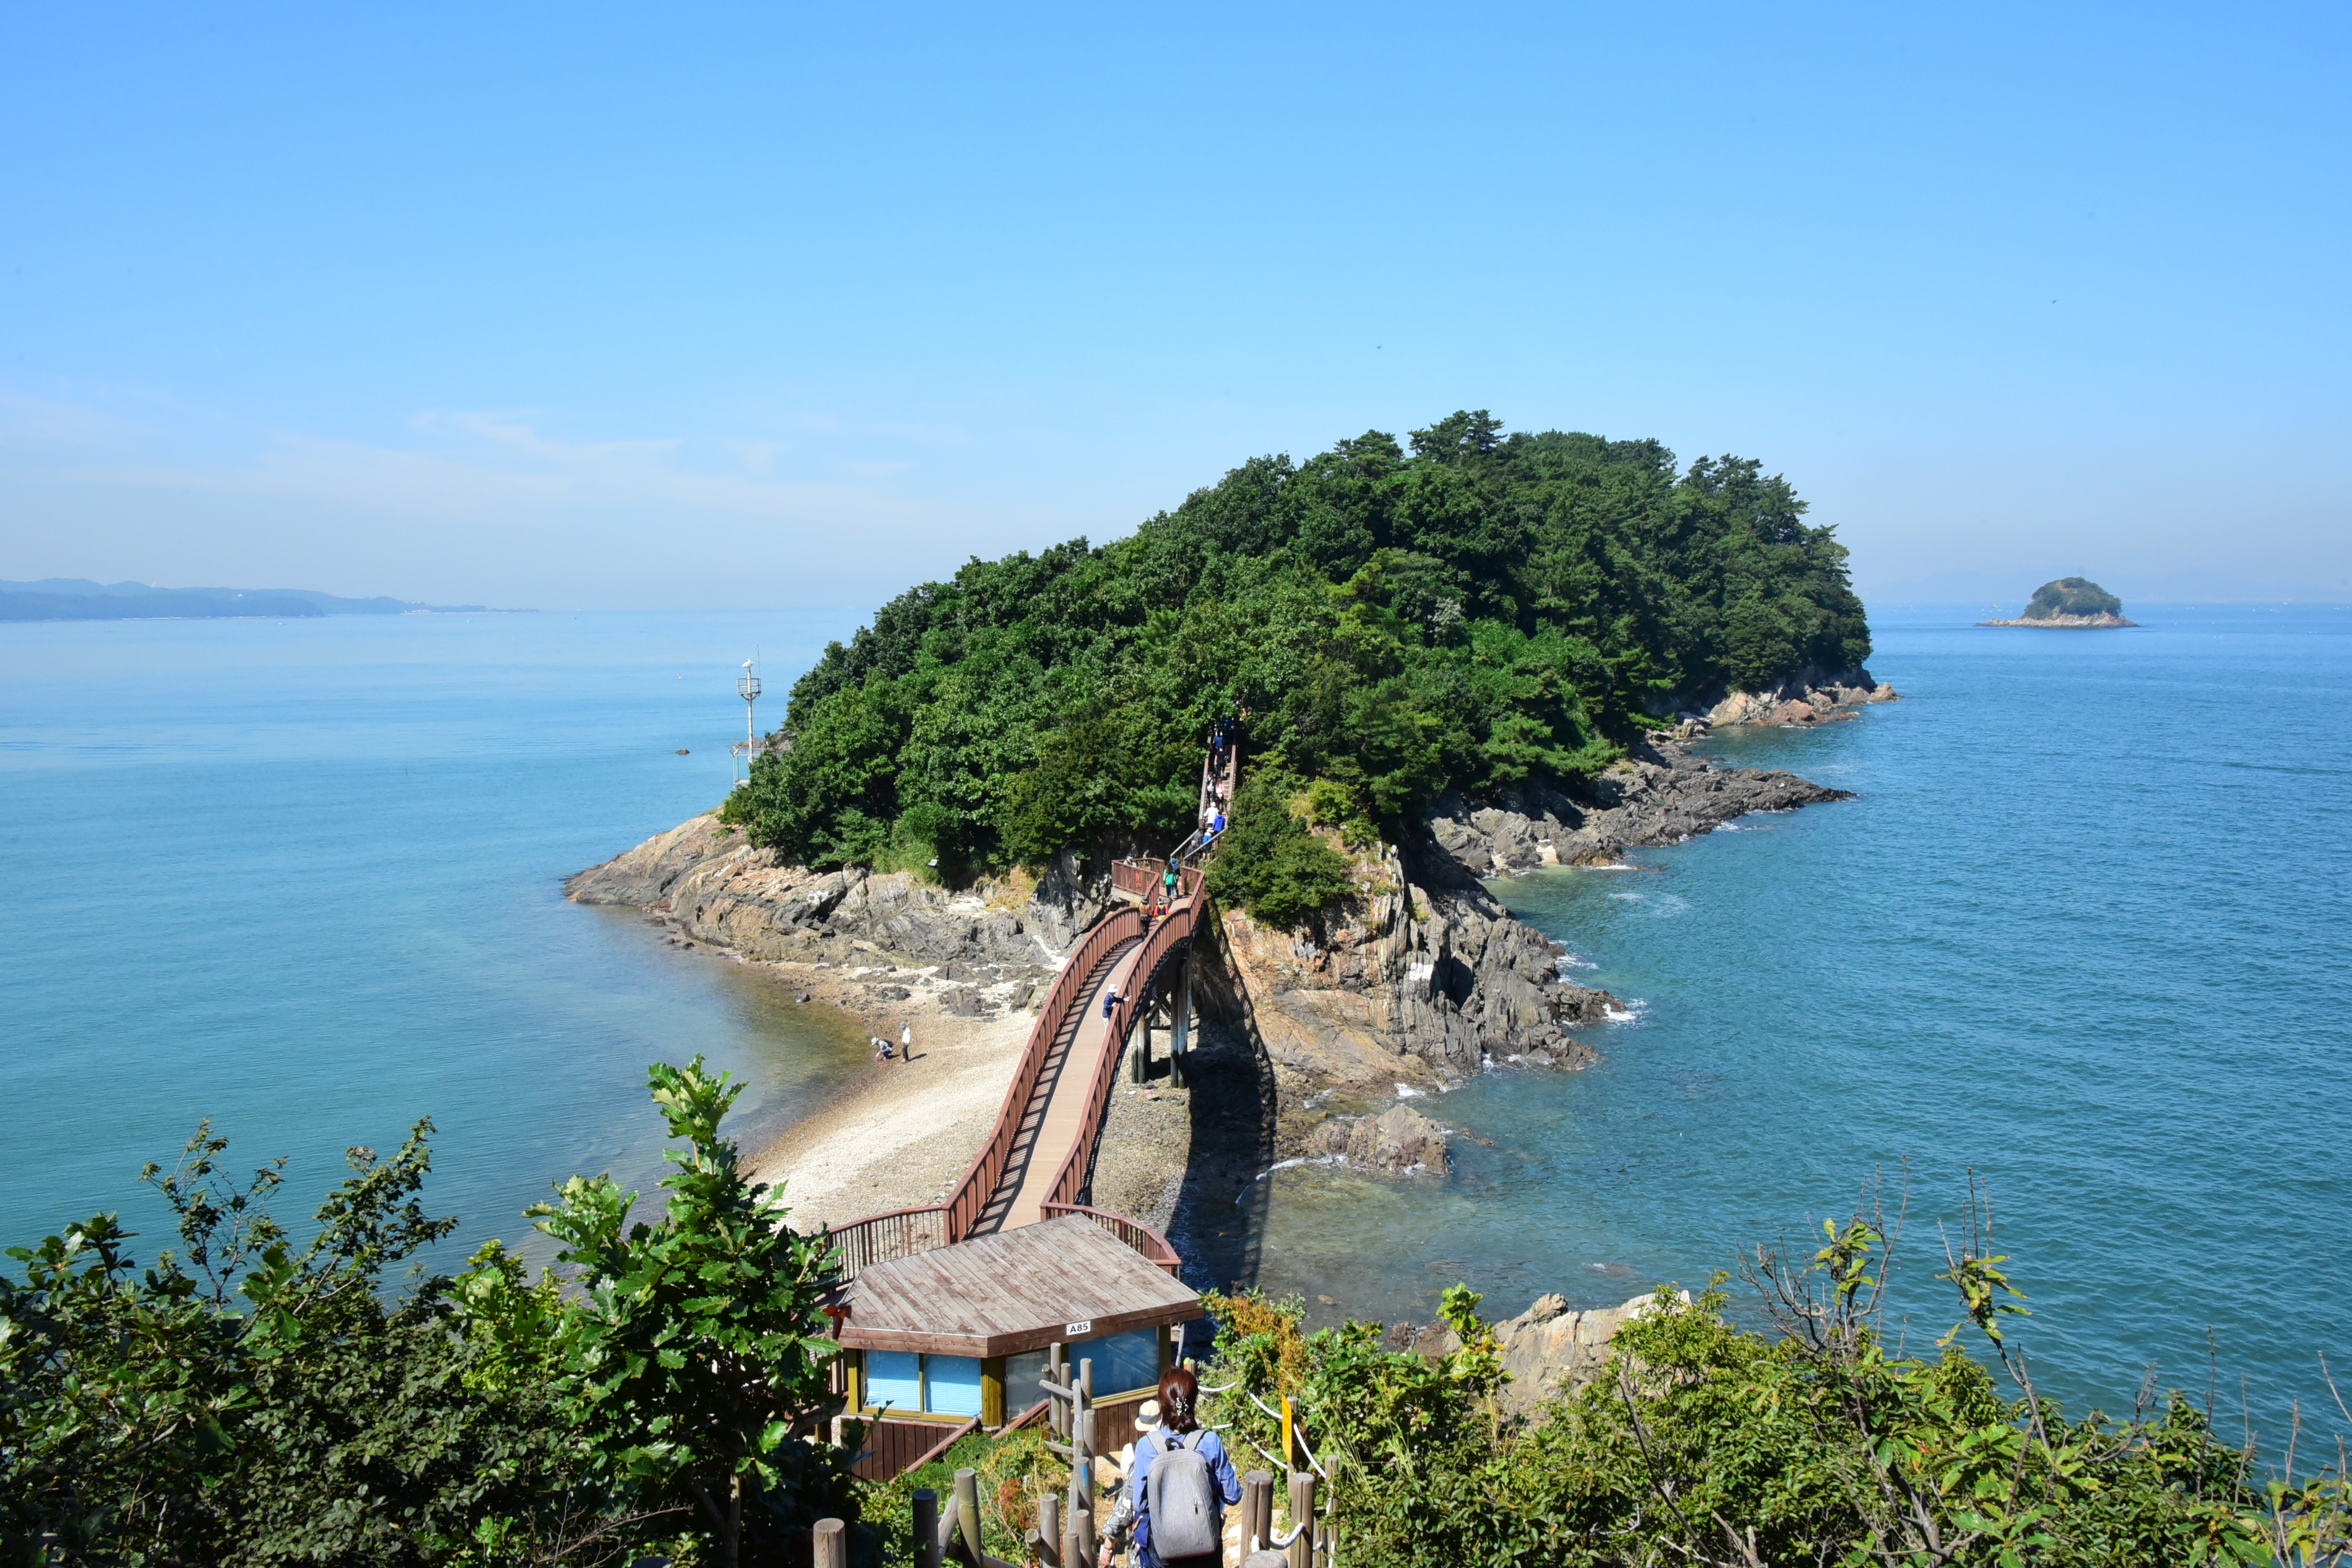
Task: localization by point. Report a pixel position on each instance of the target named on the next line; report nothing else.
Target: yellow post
(1288, 1462)
(993, 1413)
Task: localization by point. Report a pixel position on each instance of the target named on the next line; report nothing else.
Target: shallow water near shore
(305, 878)
(2085, 931)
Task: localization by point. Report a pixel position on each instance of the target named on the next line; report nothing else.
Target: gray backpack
(1183, 1497)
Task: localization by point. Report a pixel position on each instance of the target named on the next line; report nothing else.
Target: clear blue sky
(586, 306)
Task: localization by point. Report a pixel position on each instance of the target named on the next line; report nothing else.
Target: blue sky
(584, 306)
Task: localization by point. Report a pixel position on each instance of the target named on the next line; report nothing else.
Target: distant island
(80, 599)
(2074, 603)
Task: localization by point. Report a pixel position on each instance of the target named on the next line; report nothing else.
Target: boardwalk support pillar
(1180, 1032)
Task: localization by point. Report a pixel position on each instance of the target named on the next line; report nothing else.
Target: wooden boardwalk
(1041, 1141)
(1063, 1118)
(1039, 1159)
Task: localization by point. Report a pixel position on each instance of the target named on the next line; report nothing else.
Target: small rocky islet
(2071, 604)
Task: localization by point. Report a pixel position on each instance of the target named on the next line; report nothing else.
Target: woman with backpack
(1180, 1484)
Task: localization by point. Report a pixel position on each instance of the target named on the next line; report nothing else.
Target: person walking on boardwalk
(1110, 1000)
(1180, 1484)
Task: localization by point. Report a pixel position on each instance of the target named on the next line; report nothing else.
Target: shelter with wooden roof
(946, 1331)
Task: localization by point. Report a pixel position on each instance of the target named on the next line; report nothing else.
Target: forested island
(1486, 610)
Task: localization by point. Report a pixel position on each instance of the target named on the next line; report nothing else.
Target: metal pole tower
(747, 687)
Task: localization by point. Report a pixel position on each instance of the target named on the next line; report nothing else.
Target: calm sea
(305, 878)
(2085, 932)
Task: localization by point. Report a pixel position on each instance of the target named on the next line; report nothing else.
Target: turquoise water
(304, 879)
(2086, 931)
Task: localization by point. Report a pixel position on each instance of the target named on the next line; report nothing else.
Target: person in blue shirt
(1180, 1394)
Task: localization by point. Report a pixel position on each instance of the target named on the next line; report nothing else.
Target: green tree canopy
(2071, 596)
(1484, 610)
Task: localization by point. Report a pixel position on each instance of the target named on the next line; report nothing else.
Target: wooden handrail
(933, 1454)
(971, 1195)
(1030, 1417)
(883, 1237)
(1176, 926)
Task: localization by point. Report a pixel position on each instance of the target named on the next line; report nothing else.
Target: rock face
(1398, 1141)
(1808, 697)
(716, 888)
(1424, 978)
(2066, 623)
(1661, 795)
(1548, 1349)
(1426, 970)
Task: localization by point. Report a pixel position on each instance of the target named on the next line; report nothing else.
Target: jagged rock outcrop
(1426, 967)
(1548, 1349)
(1398, 1141)
(1808, 697)
(1659, 794)
(714, 886)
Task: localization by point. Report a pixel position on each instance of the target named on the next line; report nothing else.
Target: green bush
(1270, 862)
(1706, 1444)
(1015, 1471)
(245, 1402)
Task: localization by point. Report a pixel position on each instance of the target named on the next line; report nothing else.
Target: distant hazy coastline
(80, 599)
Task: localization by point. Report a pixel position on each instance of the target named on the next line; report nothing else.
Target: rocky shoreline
(2098, 622)
(1310, 1042)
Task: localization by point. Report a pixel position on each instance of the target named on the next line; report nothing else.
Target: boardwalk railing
(884, 1238)
(970, 1196)
(1141, 876)
(1135, 1233)
(1078, 1169)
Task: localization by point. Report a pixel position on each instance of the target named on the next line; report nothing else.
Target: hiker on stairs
(1180, 1484)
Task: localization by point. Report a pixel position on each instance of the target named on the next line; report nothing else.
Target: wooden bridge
(1039, 1159)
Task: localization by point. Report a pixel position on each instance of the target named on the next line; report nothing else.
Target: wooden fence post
(1049, 1531)
(1302, 1519)
(1257, 1510)
(967, 1504)
(927, 1528)
(1082, 1464)
(832, 1549)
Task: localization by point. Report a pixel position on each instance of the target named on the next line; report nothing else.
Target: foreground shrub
(244, 1401)
(1706, 1444)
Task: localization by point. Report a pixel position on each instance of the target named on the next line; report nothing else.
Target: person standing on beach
(906, 1042)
